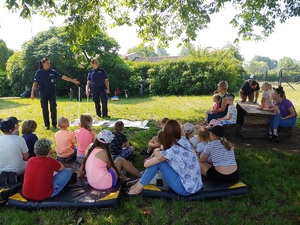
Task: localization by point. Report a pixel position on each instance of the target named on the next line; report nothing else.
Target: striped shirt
(220, 156)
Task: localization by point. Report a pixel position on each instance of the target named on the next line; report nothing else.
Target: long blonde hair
(86, 122)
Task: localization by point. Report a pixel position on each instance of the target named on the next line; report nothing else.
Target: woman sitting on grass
(178, 164)
(224, 167)
(101, 171)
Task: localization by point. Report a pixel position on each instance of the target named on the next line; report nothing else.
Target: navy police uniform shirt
(97, 77)
(248, 90)
(45, 78)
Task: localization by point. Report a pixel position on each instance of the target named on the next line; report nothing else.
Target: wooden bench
(254, 122)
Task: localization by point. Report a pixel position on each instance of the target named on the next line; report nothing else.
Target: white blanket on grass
(111, 123)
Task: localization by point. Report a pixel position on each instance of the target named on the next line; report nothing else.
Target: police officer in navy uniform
(44, 78)
(98, 85)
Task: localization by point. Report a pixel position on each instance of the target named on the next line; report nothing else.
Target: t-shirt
(248, 90)
(84, 138)
(30, 140)
(96, 171)
(117, 143)
(233, 111)
(38, 178)
(220, 156)
(183, 159)
(267, 97)
(12, 148)
(97, 77)
(194, 141)
(64, 140)
(283, 107)
(45, 78)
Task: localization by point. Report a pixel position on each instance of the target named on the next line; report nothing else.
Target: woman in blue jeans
(178, 163)
(285, 113)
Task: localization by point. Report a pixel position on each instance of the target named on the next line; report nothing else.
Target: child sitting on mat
(101, 171)
(28, 129)
(65, 141)
(39, 182)
(204, 138)
(84, 136)
(119, 146)
(188, 132)
(154, 142)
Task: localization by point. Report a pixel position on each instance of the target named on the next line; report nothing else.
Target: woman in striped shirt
(224, 167)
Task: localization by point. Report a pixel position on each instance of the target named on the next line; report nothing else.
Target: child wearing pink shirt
(84, 136)
(65, 141)
(101, 171)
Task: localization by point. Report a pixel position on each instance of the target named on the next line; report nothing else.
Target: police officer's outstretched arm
(75, 81)
(34, 86)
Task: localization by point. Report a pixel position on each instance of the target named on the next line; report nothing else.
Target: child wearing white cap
(189, 133)
(100, 169)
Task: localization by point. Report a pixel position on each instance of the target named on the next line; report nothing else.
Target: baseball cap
(188, 128)
(217, 130)
(7, 125)
(42, 146)
(105, 136)
(16, 121)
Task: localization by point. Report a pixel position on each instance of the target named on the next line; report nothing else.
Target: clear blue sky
(283, 42)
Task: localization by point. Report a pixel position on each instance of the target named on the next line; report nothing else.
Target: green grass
(273, 177)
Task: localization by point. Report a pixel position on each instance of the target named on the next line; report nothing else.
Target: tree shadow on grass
(5, 104)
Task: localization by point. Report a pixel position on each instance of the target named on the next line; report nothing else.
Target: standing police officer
(44, 78)
(97, 83)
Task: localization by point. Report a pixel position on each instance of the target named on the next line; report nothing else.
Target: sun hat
(217, 130)
(105, 136)
(16, 121)
(7, 125)
(42, 146)
(188, 128)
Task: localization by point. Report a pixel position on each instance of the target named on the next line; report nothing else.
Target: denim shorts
(113, 176)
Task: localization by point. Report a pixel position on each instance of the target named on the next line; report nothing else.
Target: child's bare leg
(121, 163)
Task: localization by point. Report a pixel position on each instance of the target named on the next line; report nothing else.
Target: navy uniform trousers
(48, 95)
(99, 93)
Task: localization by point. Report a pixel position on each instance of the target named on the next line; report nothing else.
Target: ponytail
(226, 143)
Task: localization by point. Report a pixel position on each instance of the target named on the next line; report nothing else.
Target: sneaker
(269, 135)
(275, 138)
(106, 117)
(47, 127)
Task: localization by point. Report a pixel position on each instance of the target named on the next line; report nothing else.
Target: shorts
(124, 153)
(113, 177)
(213, 174)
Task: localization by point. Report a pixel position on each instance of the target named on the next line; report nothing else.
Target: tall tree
(164, 20)
(272, 63)
(142, 50)
(162, 52)
(288, 63)
(5, 53)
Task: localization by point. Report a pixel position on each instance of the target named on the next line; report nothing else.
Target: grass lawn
(273, 177)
